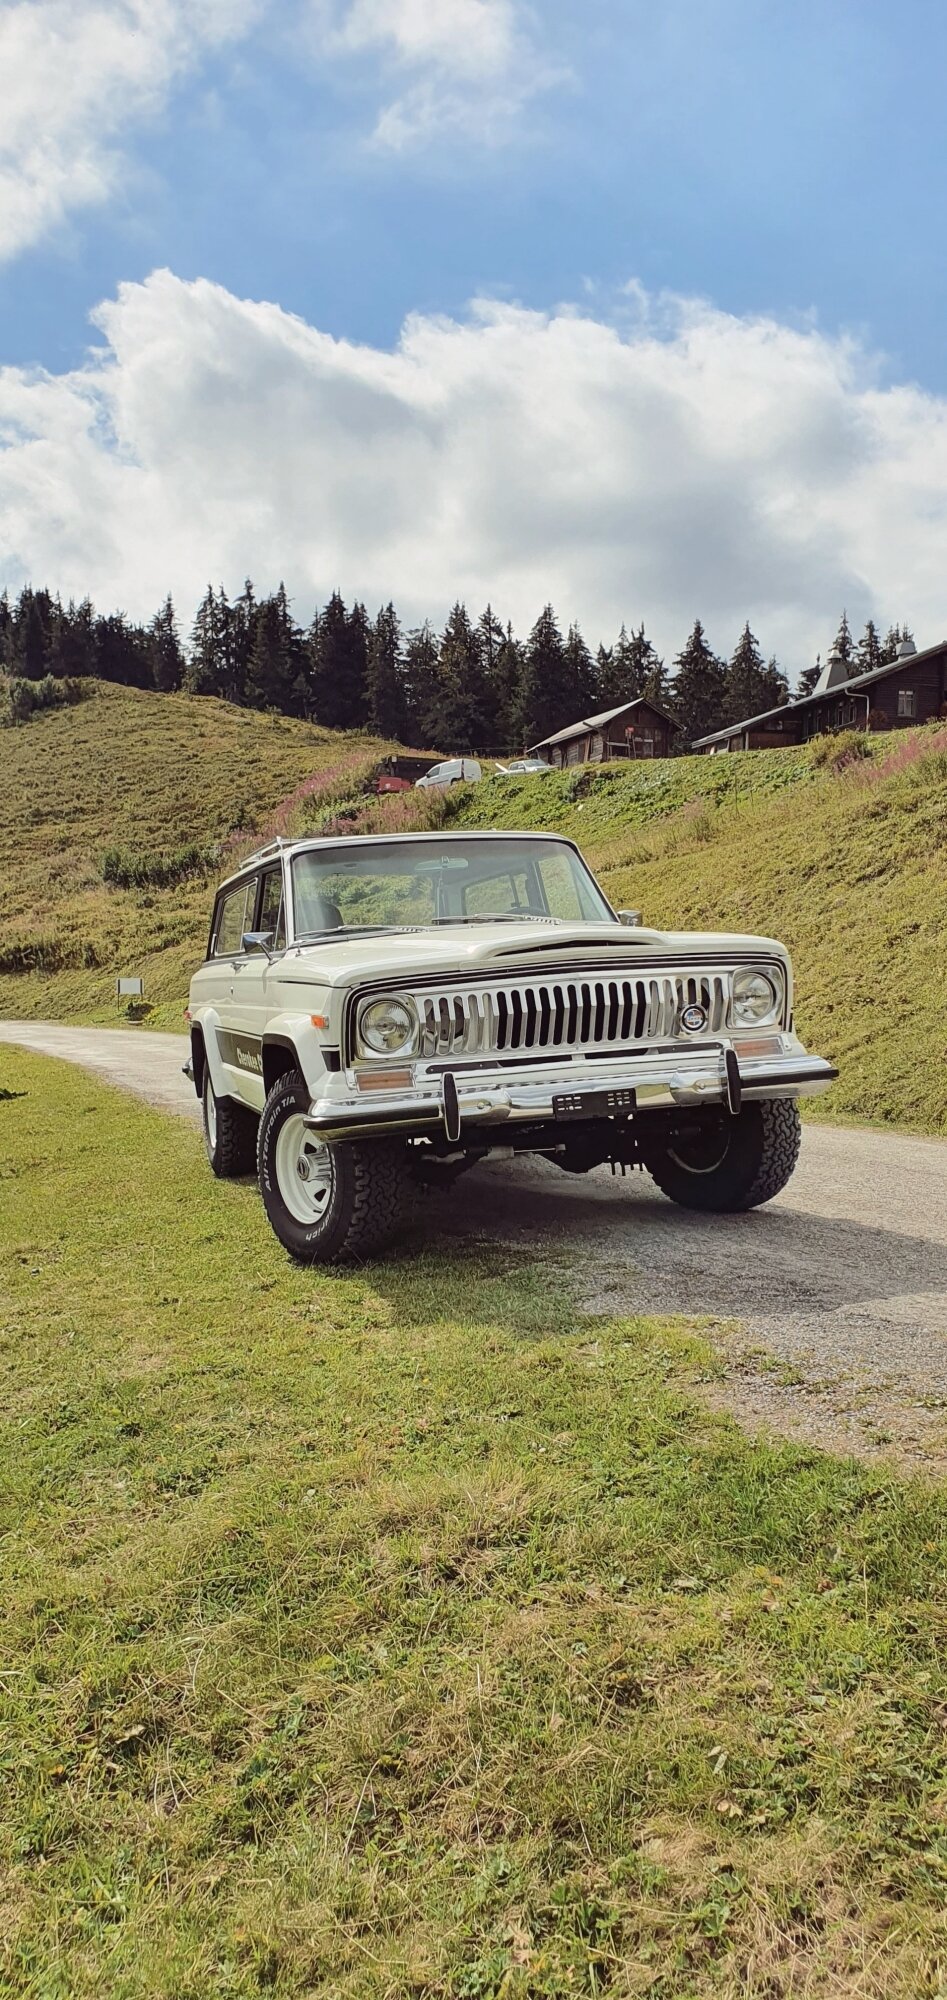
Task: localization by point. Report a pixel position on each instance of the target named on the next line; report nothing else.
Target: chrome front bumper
(458, 1103)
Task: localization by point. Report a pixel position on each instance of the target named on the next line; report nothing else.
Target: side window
(271, 907)
(234, 917)
(565, 896)
(907, 702)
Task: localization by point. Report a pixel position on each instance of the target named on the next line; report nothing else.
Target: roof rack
(272, 847)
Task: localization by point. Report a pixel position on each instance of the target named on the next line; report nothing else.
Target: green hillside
(839, 849)
(136, 785)
(116, 817)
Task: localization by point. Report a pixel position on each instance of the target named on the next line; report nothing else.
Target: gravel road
(829, 1306)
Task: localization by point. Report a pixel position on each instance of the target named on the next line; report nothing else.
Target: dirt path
(833, 1299)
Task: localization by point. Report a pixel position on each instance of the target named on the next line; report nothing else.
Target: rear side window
(234, 916)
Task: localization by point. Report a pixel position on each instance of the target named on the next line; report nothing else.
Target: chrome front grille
(584, 1013)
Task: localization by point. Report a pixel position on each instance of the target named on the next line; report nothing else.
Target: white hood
(500, 948)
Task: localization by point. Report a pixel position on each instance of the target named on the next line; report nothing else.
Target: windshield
(423, 882)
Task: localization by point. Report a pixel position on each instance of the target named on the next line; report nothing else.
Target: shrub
(45, 954)
(838, 753)
(25, 697)
(124, 870)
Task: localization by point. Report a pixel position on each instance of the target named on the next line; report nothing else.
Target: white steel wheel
(327, 1204)
(305, 1172)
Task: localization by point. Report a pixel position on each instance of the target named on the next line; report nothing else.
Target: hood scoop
(551, 947)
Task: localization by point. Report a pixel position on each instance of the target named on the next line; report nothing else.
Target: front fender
(296, 1032)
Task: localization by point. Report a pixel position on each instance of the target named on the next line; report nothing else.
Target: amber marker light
(384, 1079)
(319, 1020)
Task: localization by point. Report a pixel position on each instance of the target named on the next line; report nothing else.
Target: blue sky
(773, 445)
(784, 158)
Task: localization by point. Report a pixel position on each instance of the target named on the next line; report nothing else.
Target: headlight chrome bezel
(408, 1045)
(747, 976)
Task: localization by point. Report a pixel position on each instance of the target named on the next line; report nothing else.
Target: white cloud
(686, 463)
(75, 75)
(468, 64)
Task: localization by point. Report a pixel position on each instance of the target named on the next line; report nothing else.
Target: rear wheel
(327, 1204)
(710, 1161)
(229, 1133)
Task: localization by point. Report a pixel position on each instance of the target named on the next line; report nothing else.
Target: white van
(457, 771)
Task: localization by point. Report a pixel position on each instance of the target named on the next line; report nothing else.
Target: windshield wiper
(504, 917)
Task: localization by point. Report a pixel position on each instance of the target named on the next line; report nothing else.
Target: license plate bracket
(618, 1103)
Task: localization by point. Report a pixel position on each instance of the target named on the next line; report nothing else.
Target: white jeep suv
(378, 1012)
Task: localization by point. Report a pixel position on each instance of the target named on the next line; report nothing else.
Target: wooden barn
(636, 729)
(912, 688)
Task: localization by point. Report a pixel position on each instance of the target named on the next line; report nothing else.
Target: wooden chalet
(636, 729)
(911, 689)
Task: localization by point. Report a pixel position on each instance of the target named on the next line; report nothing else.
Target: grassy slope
(145, 772)
(848, 868)
(404, 1633)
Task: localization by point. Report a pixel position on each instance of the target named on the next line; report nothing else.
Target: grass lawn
(403, 1633)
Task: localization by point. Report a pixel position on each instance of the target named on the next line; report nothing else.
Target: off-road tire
(759, 1152)
(367, 1186)
(229, 1133)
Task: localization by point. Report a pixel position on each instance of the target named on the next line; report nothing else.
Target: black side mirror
(257, 941)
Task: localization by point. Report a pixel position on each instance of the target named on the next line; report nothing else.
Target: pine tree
(386, 705)
(844, 644)
(752, 689)
(868, 650)
(207, 663)
(700, 688)
(895, 635)
(7, 634)
(547, 696)
(167, 659)
(268, 674)
(33, 622)
(775, 684)
(808, 678)
(356, 678)
(73, 648)
(329, 663)
(508, 682)
(465, 719)
(241, 637)
(122, 652)
(421, 686)
(490, 640)
(579, 674)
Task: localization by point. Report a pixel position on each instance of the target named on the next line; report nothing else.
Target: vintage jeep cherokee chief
(379, 1012)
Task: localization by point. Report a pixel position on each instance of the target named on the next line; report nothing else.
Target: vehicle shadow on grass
(826, 1330)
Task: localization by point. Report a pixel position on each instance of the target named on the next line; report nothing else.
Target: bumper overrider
(462, 1104)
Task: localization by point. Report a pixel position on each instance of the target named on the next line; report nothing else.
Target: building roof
(821, 694)
(592, 722)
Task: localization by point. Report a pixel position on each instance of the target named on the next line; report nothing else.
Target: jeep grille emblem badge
(694, 1019)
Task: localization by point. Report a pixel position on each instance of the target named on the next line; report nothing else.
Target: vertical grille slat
(589, 1011)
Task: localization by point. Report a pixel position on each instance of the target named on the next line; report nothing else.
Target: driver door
(249, 1006)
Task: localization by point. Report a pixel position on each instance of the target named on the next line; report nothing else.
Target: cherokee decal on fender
(241, 1051)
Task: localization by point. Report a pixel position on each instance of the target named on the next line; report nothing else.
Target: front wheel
(327, 1204)
(708, 1160)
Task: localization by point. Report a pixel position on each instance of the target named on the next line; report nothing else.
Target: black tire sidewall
(313, 1242)
(748, 1174)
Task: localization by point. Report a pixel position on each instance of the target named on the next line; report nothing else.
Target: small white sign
(131, 989)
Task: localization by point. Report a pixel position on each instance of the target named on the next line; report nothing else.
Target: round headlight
(755, 998)
(387, 1027)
